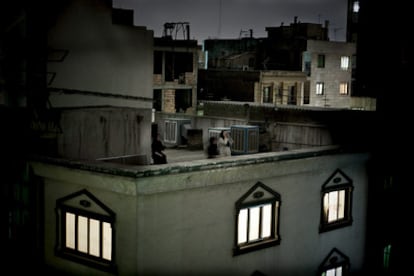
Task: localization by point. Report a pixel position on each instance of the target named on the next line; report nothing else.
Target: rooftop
(183, 160)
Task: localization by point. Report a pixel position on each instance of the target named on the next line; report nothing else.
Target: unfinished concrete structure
(175, 70)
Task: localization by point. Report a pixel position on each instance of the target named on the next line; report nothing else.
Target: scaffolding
(171, 30)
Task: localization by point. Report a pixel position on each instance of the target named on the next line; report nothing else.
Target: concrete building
(280, 87)
(300, 47)
(220, 52)
(99, 68)
(330, 68)
(175, 72)
(202, 217)
(352, 21)
(284, 45)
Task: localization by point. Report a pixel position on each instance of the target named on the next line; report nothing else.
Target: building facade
(99, 81)
(175, 75)
(330, 67)
(270, 213)
(281, 87)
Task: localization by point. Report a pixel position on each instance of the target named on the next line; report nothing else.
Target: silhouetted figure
(212, 149)
(158, 155)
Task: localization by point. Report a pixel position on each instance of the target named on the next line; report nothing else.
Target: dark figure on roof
(212, 149)
(158, 147)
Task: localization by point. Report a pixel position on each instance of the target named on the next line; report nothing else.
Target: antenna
(219, 21)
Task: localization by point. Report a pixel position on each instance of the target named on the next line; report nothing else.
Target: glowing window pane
(242, 226)
(330, 272)
(94, 238)
(266, 220)
(343, 88)
(344, 63)
(355, 6)
(83, 234)
(107, 241)
(254, 219)
(341, 205)
(333, 205)
(70, 230)
(339, 271)
(319, 88)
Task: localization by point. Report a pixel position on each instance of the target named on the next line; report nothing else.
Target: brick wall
(169, 101)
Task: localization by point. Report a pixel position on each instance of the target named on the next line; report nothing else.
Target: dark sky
(236, 15)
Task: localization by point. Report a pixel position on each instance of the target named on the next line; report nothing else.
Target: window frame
(75, 255)
(321, 60)
(345, 184)
(322, 90)
(334, 260)
(269, 97)
(257, 192)
(341, 91)
(348, 62)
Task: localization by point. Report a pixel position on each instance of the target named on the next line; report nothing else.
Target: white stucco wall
(92, 133)
(192, 230)
(102, 57)
(181, 221)
(115, 192)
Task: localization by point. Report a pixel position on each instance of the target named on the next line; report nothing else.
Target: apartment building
(330, 67)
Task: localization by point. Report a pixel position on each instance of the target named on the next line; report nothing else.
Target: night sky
(236, 15)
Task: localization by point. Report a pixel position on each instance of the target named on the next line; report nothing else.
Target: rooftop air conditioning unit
(245, 139)
(175, 131)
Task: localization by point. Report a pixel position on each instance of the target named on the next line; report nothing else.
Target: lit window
(335, 264)
(345, 63)
(355, 7)
(257, 220)
(337, 271)
(343, 88)
(333, 204)
(320, 88)
(86, 230)
(336, 202)
(254, 223)
(321, 61)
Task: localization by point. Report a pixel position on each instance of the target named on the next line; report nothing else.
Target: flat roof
(183, 160)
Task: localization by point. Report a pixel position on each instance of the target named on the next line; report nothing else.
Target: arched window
(257, 219)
